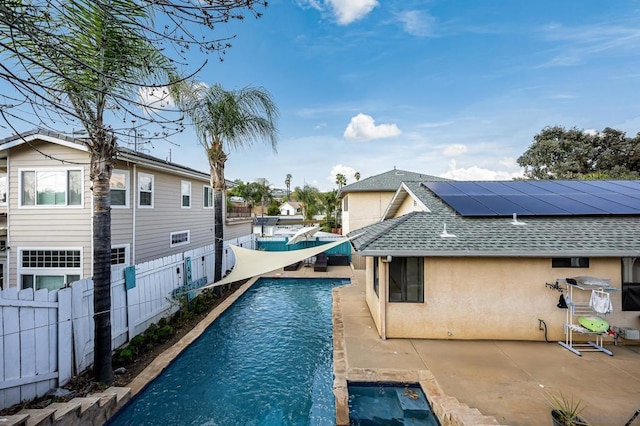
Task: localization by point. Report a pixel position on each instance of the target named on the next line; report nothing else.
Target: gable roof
(124, 154)
(387, 182)
(419, 234)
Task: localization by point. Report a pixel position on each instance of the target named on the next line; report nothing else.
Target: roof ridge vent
(445, 234)
(515, 221)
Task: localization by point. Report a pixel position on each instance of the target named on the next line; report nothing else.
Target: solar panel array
(540, 197)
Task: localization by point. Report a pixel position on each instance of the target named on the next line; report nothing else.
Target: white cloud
(454, 150)
(344, 11)
(590, 132)
(348, 11)
(362, 127)
(478, 173)
(348, 172)
(154, 98)
(417, 22)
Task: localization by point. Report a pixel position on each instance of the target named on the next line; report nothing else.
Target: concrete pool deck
(504, 380)
(471, 382)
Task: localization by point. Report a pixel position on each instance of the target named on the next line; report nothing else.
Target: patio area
(507, 380)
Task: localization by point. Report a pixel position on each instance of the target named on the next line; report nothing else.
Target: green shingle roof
(419, 234)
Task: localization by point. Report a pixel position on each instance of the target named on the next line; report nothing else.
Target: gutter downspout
(134, 207)
(382, 300)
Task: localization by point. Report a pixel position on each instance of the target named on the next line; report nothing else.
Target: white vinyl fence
(48, 336)
(35, 343)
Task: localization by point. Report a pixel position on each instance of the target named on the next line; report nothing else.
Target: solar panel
(540, 197)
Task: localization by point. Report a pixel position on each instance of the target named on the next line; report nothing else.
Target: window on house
(631, 284)
(49, 269)
(179, 238)
(207, 197)
(406, 279)
(570, 262)
(185, 190)
(376, 275)
(3, 187)
(145, 190)
(51, 188)
(119, 188)
(345, 204)
(119, 255)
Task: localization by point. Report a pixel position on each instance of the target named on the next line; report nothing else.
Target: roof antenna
(445, 234)
(515, 221)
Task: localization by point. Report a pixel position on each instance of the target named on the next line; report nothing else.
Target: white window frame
(36, 170)
(153, 185)
(42, 271)
(127, 254)
(180, 243)
(127, 188)
(4, 188)
(185, 184)
(205, 198)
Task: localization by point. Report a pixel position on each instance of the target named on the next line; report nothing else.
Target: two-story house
(158, 208)
(364, 202)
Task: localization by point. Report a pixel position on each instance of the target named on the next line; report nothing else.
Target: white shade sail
(250, 263)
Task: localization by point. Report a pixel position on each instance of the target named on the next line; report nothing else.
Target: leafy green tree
(330, 202)
(357, 176)
(341, 180)
(558, 153)
(309, 197)
(228, 119)
(274, 208)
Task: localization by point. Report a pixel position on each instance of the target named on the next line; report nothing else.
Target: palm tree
(116, 58)
(308, 196)
(341, 180)
(357, 176)
(287, 182)
(228, 119)
(107, 59)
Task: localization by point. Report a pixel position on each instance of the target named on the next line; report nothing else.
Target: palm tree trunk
(217, 182)
(100, 176)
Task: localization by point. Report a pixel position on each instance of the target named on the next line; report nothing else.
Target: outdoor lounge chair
(293, 266)
(321, 263)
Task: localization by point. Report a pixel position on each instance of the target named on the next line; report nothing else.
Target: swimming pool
(267, 360)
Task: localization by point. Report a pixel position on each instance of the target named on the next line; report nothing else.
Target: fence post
(65, 355)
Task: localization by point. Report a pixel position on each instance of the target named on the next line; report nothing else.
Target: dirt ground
(83, 385)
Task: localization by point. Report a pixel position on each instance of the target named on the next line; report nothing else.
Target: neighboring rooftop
(387, 182)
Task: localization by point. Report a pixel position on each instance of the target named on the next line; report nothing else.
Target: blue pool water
(268, 360)
(389, 404)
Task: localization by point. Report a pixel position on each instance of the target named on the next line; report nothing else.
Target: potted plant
(566, 411)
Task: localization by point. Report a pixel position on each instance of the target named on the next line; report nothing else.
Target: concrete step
(94, 409)
(14, 420)
(39, 416)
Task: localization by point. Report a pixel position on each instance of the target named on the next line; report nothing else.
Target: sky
(456, 89)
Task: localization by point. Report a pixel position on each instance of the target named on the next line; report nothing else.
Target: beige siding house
(158, 209)
(437, 274)
(364, 202)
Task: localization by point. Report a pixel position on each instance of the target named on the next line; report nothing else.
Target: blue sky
(448, 88)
